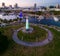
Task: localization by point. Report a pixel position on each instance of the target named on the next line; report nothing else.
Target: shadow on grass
(4, 43)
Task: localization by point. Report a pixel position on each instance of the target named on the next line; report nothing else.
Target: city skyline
(27, 3)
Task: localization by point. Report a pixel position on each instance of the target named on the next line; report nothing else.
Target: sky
(26, 3)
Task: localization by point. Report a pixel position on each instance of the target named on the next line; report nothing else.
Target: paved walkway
(54, 27)
(33, 44)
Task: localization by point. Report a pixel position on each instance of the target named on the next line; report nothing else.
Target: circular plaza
(43, 42)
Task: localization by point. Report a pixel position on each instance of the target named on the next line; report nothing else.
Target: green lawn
(52, 49)
(38, 34)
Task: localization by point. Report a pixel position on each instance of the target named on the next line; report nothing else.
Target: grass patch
(38, 34)
(52, 49)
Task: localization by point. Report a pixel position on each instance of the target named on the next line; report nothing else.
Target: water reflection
(49, 21)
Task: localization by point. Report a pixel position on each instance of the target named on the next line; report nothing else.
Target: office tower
(35, 6)
(3, 5)
(16, 5)
(10, 6)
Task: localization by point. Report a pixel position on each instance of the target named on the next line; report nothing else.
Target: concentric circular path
(33, 44)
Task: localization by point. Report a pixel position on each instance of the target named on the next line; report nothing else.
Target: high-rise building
(3, 5)
(10, 6)
(35, 5)
(16, 5)
(57, 6)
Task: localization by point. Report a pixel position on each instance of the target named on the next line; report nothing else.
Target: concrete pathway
(54, 27)
(33, 44)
